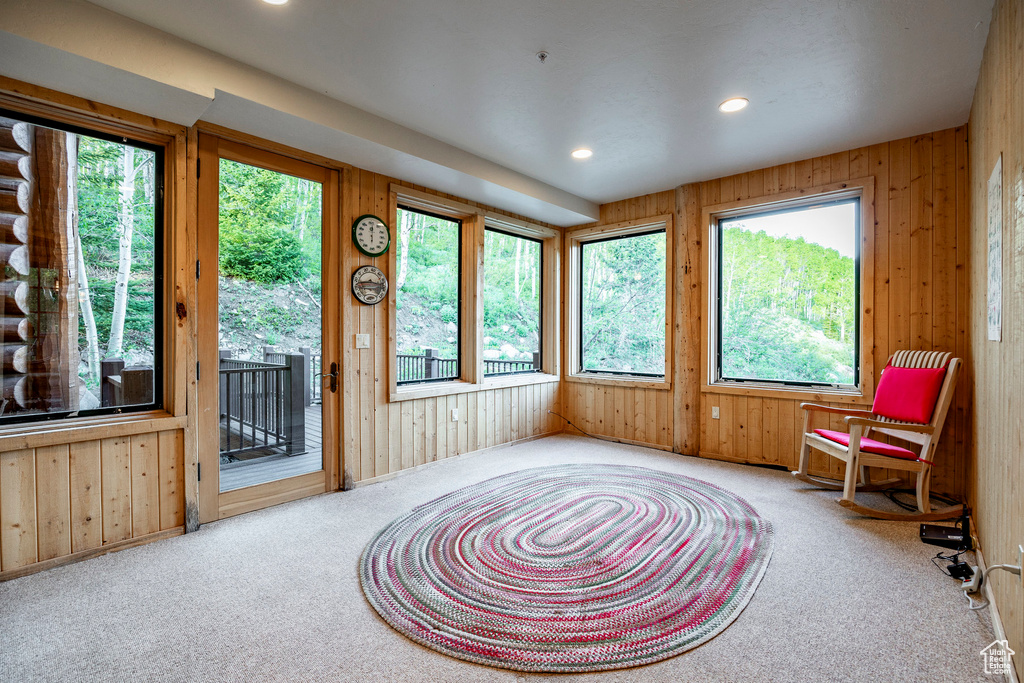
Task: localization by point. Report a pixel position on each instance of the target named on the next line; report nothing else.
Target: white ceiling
(639, 82)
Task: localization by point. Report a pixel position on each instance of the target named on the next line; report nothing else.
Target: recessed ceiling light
(276, 2)
(582, 153)
(733, 104)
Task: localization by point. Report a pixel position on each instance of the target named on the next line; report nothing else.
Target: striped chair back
(926, 359)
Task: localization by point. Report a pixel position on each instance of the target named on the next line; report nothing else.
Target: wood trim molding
(87, 554)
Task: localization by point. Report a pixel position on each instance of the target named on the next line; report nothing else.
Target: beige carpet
(274, 595)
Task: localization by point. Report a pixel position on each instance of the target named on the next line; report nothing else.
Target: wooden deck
(237, 475)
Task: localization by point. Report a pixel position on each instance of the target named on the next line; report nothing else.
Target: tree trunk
(125, 227)
(519, 253)
(404, 228)
(84, 297)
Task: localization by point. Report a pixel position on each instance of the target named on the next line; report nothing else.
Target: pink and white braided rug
(569, 568)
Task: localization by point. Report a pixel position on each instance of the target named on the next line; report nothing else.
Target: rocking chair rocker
(911, 400)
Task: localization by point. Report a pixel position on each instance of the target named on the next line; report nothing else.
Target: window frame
(540, 311)
(575, 240)
(161, 268)
(458, 306)
(862, 391)
(475, 220)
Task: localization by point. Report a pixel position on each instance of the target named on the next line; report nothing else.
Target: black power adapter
(955, 537)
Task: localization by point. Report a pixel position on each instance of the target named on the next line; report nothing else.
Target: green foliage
(787, 309)
(138, 321)
(431, 257)
(623, 322)
(511, 308)
(270, 224)
(261, 252)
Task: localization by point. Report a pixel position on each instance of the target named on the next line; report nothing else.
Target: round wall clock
(369, 285)
(371, 235)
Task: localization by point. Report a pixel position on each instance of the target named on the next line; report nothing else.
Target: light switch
(455, 414)
(362, 341)
(714, 412)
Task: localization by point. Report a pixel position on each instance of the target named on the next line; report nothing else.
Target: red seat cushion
(908, 394)
(870, 445)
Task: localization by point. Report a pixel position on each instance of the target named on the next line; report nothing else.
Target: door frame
(213, 504)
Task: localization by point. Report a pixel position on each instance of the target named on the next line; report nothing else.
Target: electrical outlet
(455, 414)
(362, 341)
(714, 413)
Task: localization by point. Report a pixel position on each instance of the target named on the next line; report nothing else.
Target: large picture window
(427, 296)
(512, 300)
(622, 305)
(788, 295)
(81, 237)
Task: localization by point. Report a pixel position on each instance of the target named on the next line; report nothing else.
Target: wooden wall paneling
(171, 478)
(87, 496)
(145, 473)
(899, 243)
(374, 321)
(53, 501)
(18, 545)
(686, 366)
(993, 419)
(116, 478)
(921, 242)
(964, 398)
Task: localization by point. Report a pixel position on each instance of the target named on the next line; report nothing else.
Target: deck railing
(262, 405)
(511, 367)
(429, 366)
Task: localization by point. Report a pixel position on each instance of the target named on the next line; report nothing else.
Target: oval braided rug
(569, 568)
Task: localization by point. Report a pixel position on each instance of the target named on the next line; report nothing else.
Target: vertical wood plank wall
(79, 498)
(920, 264)
(996, 474)
(382, 438)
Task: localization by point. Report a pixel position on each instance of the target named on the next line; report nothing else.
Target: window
(427, 296)
(622, 284)
(82, 246)
(512, 301)
(787, 294)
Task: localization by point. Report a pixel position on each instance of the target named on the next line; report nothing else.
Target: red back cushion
(908, 394)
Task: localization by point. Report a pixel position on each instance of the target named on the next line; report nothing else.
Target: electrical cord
(592, 436)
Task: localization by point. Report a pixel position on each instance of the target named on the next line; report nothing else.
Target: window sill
(417, 391)
(38, 434)
(854, 396)
(626, 381)
(526, 379)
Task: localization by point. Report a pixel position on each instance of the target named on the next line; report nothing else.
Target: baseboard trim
(418, 468)
(89, 554)
(993, 609)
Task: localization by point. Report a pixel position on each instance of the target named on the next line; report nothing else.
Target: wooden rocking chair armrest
(814, 407)
(878, 424)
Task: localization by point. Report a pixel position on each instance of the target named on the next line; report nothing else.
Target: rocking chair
(911, 400)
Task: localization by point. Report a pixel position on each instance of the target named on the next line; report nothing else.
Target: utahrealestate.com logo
(997, 658)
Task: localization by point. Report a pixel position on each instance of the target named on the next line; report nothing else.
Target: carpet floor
(274, 595)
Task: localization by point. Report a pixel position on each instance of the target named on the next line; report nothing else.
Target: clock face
(371, 235)
(369, 285)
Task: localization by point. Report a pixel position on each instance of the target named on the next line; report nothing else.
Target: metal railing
(261, 405)
(429, 366)
(316, 386)
(511, 367)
